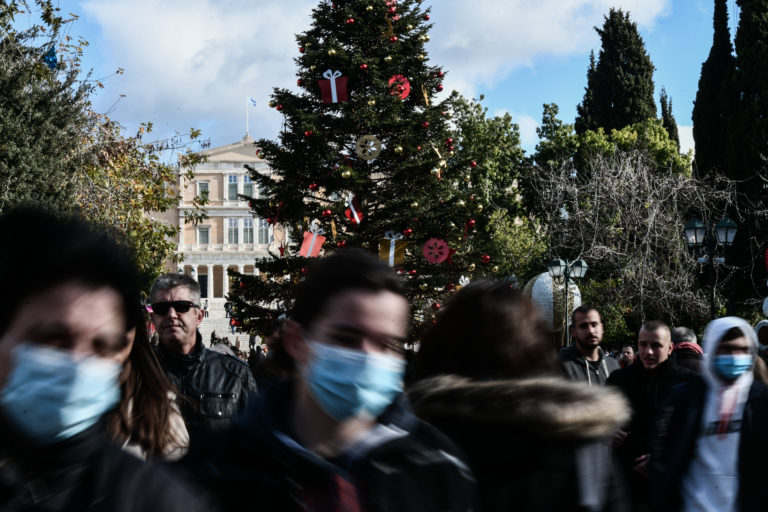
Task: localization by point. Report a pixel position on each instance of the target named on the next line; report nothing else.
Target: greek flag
(252, 101)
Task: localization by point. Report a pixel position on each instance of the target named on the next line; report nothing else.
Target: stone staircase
(218, 321)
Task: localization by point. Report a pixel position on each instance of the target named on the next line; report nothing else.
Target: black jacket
(675, 437)
(407, 466)
(85, 472)
(217, 387)
(533, 444)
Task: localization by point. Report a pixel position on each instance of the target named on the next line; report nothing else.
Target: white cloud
(193, 62)
(686, 138)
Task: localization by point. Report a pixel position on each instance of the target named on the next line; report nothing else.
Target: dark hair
(487, 330)
(44, 249)
(171, 280)
(143, 413)
(732, 334)
(655, 325)
(630, 345)
(584, 309)
(349, 269)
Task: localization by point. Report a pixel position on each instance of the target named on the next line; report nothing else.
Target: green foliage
(424, 180)
(43, 111)
(619, 88)
(557, 141)
(714, 96)
(667, 119)
(614, 314)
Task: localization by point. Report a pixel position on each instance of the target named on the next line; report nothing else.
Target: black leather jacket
(214, 387)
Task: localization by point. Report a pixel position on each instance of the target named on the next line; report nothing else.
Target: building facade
(230, 237)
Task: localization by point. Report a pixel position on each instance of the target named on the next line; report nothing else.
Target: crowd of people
(335, 413)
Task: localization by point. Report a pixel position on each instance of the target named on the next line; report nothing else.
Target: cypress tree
(667, 119)
(619, 88)
(711, 106)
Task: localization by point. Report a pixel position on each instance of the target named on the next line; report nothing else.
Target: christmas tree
(366, 159)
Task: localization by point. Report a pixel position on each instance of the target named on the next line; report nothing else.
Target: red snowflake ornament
(435, 250)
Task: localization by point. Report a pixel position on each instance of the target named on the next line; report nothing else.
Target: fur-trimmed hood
(542, 408)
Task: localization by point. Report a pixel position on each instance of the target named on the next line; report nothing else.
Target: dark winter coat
(575, 367)
(217, 387)
(533, 444)
(674, 442)
(85, 472)
(407, 466)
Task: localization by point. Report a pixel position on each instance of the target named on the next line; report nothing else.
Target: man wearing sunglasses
(217, 387)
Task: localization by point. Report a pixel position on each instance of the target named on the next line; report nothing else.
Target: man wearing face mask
(710, 435)
(340, 435)
(64, 313)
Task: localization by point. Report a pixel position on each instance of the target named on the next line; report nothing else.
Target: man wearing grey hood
(710, 434)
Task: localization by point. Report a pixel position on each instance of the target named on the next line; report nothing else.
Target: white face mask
(52, 395)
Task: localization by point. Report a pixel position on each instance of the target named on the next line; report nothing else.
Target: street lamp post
(698, 234)
(567, 270)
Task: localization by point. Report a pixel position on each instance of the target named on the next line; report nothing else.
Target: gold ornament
(421, 38)
(369, 8)
(371, 102)
(346, 174)
(414, 205)
(435, 172)
(398, 149)
(471, 267)
(426, 37)
(272, 104)
(495, 269)
(423, 287)
(461, 202)
(421, 56)
(332, 52)
(478, 208)
(451, 153)
(388, 58)
(312, 67)
(409, 27)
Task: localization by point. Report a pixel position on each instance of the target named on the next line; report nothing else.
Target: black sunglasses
(180, 306)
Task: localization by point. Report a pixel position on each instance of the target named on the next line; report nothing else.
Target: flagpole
(246, 115)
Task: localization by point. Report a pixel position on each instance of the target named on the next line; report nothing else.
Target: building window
(232, 231)
(247, 186)
(232, 187)
(203, 235)
(202, 189)
(262, 232)
(248, 230)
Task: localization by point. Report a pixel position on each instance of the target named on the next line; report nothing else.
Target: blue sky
(193, 63)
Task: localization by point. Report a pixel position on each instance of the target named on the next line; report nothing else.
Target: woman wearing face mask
(146, 421)
(710, 435)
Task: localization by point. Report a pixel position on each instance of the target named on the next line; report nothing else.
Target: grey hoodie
(575, 367)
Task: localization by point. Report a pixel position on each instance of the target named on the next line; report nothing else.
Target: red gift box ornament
(353, 212)
(400, 86)
(313, 241)
(435, 250)
(334, 89)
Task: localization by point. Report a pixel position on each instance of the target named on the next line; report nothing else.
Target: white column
(181, 230)
(195, 275)
(209, 291)
(224, 281)
(241, 269)
(239, 231)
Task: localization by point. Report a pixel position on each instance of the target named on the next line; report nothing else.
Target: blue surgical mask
(731, 366)
(53, 394)
(346, 382)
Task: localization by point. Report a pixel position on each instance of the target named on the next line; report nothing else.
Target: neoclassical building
(230, 237)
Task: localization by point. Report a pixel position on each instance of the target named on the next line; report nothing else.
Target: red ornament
(439, 87)
(425, 124)
(308, 133)
(242, 284)
(436, 306)
(250, 204)
(413, 272)
(435, 250)
(473, 164)
(418, 148)
(304, 270)
(426, 17)
(270, 220)
(299, 81)
(363, 66)
(449, 141)
(392, 10)
(301, 49)
(313, 186)
(400, 86)
(393, 39)
(279, 107)
(327, 213)
(485, 258)
(471, 223)
(450, 148)
(350, 21)
(407, 232)
(440, 74)
(341, 244)
(449, 287)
